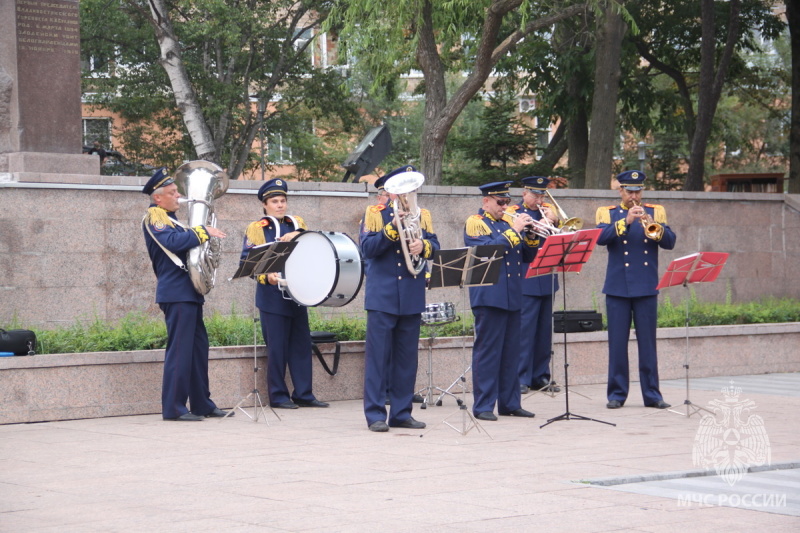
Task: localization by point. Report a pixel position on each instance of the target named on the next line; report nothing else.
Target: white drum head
(311, 269)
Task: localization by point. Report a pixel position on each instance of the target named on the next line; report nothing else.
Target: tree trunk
(185, 96)
(793, 17)
(578, 146)
(710, 86)
(606, 88)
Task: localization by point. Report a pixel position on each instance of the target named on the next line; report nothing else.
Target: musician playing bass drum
(394, 300)
(284, 323)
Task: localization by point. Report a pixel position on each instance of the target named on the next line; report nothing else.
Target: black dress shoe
(187, 417)
(614, 404)
(486, 415)
(410, 423)
(219, 413)
(523, 389)
(311, 403)
(379, 427)
(539, 384)
(519, 412)
(660, 404)
(417, 398)
(285, 405)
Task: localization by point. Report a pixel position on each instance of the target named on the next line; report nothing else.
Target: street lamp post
(642, 154)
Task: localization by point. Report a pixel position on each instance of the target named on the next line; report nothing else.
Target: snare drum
(439, 313)
(325, 268)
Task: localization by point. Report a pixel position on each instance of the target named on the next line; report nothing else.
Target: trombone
(566, 224)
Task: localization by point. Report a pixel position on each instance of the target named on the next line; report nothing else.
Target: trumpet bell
(572, 224)
(404, 183)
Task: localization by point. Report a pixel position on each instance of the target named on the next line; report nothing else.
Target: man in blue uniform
(186, 357)
(537, 298)
(496, 308)
(630, 287)
(284, 323)
(394, 300)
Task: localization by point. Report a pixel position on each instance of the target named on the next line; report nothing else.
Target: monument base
(50, 163)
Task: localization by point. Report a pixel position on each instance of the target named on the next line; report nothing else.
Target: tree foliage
(235, 53)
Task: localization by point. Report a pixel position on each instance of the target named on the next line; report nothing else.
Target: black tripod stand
(566, 253)
(260, 260)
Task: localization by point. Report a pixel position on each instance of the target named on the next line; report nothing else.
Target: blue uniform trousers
(185, 361)
(495, 360)
(288, 344)
(536, 335)
(391, 352)
(644, 312)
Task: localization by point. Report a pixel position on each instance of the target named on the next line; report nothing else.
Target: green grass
(138, 331)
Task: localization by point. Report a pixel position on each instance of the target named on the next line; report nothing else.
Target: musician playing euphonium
(630, 287)
(537, 297)
(496, 308)
(284, 323)
(394, 300)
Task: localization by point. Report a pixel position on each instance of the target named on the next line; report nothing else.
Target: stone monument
(40, 89)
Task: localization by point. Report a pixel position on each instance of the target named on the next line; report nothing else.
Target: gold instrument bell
(652, 229)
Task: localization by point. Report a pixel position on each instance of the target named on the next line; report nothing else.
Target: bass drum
(325, 268)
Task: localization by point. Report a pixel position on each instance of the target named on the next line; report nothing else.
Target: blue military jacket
(539, 285)
(269, 298)
(390, 287)
(507, 292)
(174, 283)
(632, 257)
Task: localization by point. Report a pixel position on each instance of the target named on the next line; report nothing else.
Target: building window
(279, 150)
(97, 130)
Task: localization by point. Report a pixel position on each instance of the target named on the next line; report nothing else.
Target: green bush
(138, 331)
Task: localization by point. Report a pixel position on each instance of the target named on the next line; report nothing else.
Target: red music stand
(565, 252)
(695, 268)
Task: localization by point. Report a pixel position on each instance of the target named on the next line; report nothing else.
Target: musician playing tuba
(186, 358)
(284, 323)
(394, 300)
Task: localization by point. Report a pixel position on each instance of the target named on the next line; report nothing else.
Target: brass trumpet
(536, 227)
(652, 229)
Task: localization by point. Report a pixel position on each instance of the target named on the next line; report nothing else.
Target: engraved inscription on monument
(48, 75)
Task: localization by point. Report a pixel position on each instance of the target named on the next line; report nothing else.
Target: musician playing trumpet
(496, 308)
(537, 296)
(630, 286)
(284, 323)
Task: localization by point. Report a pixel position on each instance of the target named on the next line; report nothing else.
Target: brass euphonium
(405, 186)
(652, 229)
(567, 224)
(202, 182)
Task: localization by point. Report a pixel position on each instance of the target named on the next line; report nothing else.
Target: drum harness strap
(325, 337)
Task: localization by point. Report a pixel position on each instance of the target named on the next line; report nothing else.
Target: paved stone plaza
(321, 470)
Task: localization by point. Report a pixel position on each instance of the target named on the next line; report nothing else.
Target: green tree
(191, 74)
(440, 37)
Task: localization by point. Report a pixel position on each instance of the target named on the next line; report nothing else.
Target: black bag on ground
(576, 321)
(18, 341)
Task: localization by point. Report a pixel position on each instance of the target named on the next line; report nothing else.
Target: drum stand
(428, 391)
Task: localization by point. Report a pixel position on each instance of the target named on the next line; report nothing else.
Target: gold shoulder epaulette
(603, 215)
(255, 232)
(301, 222)
(477, 227)
(515, 207)
(426, 222)
(157, 215)
(373, 220)
(659, 213)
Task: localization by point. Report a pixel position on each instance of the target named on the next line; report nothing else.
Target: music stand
(565, 252)
(695, 268)
(261, 259)
(465, 267)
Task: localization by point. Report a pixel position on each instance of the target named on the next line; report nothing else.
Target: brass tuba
(405, 186)
(200, 183)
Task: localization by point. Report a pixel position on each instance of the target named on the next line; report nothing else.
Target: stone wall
(93, 385)
(71, 246)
